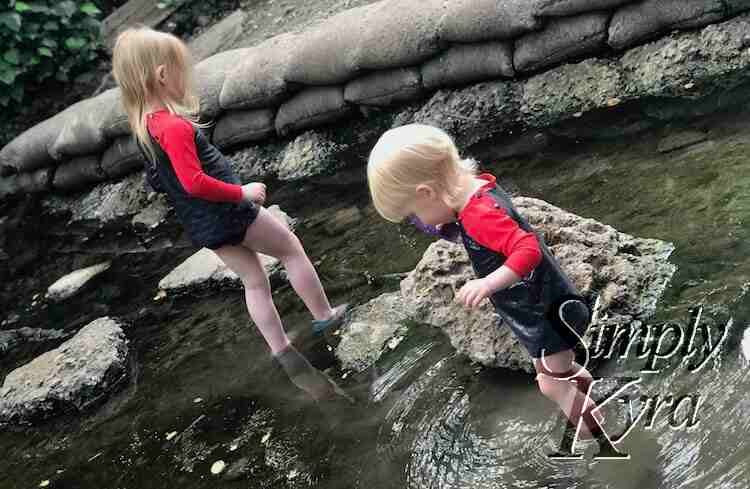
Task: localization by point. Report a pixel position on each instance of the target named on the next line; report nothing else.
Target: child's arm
(177, 138)
(493, 228)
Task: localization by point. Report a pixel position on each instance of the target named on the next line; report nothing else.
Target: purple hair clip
(448, 232)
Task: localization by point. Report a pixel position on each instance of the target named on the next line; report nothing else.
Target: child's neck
(469, 184)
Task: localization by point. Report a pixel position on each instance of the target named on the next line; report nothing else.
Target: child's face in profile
(430, 207)
(172, 82)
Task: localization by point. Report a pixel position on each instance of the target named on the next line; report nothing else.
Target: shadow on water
(203, 387)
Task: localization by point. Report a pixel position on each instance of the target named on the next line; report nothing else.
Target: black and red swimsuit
(198, 181)
(495, 234)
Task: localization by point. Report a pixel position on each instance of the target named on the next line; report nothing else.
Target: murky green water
(424, 418)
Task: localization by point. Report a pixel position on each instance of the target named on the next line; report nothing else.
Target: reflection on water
(205, 389)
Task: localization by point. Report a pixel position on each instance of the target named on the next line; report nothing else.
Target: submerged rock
(79, 374)
(368, 330)
(71, 283)
(627, 274)
(205, 268)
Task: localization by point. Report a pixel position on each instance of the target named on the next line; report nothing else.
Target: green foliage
(44, 39)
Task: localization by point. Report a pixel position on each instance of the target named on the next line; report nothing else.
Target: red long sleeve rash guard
(490, 226)
(176, 136)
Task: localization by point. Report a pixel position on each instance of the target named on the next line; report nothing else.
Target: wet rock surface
(206, 270)
(68, 285)
(72, 378)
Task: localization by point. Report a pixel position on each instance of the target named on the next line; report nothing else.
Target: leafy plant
(44, 39)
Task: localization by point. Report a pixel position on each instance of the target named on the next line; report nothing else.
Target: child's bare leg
(568, 395)
(269, 236)
(246, 264)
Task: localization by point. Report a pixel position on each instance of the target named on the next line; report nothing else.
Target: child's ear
(425, 191)
(161, 74)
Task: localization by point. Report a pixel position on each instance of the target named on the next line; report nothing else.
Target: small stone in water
(292, 475)
(329, 347)
(160, 295)
(346, 374)
(44, 484)
(171, 435)
(218, 467)
(394, 342)
(197, 400)
(233, 447)
(265, 438)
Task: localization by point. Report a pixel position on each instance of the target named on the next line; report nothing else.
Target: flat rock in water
(627, 273)
(681, 140)
(71, 283)
(205, 268)
(368, 330)
(72, 378)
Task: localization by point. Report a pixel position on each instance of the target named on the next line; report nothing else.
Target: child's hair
(410, 155)
(137, 54)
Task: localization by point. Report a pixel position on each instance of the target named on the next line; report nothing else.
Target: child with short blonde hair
(154, 72)
(415, 172)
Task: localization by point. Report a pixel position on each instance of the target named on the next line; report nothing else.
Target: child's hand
(474, 292)
(254, 192)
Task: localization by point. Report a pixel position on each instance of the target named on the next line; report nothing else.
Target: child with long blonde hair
(154, 72)
(415, 172)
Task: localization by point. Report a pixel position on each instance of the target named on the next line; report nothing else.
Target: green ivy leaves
(42, 39)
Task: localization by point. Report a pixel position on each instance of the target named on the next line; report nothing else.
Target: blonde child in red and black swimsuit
(154, 72)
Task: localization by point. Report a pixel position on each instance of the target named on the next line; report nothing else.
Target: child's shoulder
(164, 123)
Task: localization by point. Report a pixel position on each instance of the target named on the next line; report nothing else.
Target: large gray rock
(636, 23)
(470, 114)
(205, 269)
(469, 63)
(369, 329)
(562, 92)
(689, 66)
(628, 274)
(67, 286)
(79, 374)
(109, 203)
(256, 78)
(310, 154)
(466, 21)
(562, 39)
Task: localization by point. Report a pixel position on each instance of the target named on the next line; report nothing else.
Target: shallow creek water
(424, 417)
